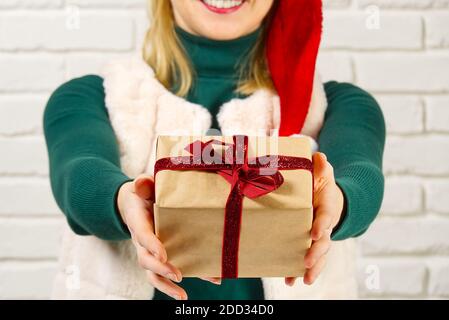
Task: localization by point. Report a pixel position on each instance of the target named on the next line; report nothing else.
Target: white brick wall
(403, 58)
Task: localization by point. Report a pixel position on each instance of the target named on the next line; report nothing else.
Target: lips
(223, 6)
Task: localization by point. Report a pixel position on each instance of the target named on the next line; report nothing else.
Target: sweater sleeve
(353, 139)
(84, 159)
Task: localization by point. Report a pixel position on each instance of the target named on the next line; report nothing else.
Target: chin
(221, 19)
(227, 24)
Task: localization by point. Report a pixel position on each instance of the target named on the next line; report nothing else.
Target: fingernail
(173, 277)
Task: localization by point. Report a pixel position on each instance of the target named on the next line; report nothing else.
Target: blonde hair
(163, 51)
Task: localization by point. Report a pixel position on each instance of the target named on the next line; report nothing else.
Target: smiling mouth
(223, 6)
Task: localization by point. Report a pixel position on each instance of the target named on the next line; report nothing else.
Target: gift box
(234, 206)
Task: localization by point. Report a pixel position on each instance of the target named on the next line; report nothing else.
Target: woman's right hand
(135, 204)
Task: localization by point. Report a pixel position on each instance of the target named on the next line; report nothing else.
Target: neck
(215, 58)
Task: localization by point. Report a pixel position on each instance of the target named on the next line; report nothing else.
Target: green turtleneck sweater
(85, 163)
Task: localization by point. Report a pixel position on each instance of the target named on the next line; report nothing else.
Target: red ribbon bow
(250, 178)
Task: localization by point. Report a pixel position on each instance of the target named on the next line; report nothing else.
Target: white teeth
(223, 4)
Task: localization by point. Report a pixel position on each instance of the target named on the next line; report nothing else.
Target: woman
(242, 66)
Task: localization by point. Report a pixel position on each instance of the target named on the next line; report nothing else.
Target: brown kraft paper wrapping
(189, 213)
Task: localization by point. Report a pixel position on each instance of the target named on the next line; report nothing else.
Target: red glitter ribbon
(250, 178)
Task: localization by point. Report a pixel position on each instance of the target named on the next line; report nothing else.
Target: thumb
(320, 165)
(144, 187)
(322, 171)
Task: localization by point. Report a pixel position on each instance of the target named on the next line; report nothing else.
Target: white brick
(405, 4)
(407, 236)
(31, 72)
(142, 24)
(335, 66)
(417, 154)
(30, 238)
(26, 155)
(82, 64)
(56, 32)
(396, 277)
(412, 72)
(437, 30)
(27, 196)
(108, 3)
(354, 31)
(402, 196)
(437, 113)
(32, 280)
(437, 195)
(336, 4)
(21, 114)
(438, 278)
(30, 4)
(403, 114)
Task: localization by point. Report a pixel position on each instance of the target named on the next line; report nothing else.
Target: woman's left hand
(328, 203)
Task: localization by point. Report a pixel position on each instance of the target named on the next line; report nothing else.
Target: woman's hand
(328, 203)
(135, 203)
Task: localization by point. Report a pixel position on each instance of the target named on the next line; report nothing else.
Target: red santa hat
(292, 47)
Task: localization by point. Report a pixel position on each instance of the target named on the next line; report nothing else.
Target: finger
(144, 187)
(290, 281)
(322, 222)
(312, 274)
(166, 286)
(145, 238)
(140, 224)
(149, 262)
(216, 281)
(316, 251)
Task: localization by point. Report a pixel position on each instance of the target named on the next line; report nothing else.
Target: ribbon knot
(248, 177)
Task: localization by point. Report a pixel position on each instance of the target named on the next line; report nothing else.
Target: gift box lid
(199, 189)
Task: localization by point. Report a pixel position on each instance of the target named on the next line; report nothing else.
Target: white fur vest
(140, 109)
